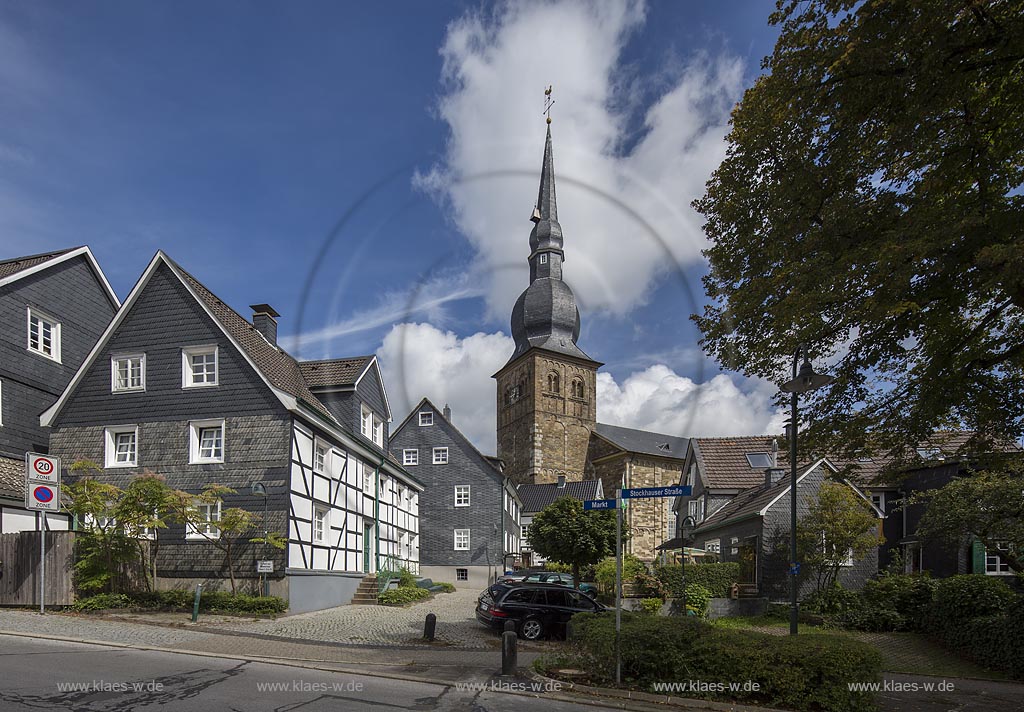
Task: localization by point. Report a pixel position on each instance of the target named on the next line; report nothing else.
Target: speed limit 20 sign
(42, 480)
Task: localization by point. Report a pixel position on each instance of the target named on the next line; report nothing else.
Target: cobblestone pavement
(382, 625)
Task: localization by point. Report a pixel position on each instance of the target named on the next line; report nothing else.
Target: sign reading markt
(42, 482)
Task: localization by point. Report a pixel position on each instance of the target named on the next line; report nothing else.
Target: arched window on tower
(553, 383)
(577, 389)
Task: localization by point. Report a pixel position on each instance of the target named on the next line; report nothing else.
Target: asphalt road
(53, 675)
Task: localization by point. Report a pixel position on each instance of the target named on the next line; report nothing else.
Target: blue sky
(371, 167)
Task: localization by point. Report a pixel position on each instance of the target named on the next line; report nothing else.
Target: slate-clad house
(753, 530)
(536, 497)
(181, 385)
(53, 307)
(470, 526)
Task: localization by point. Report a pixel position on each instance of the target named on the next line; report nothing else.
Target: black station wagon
(537, 609)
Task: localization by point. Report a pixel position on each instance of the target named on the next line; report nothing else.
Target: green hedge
(804, 672)
(401, 596)
(717, 578)
(178, 600)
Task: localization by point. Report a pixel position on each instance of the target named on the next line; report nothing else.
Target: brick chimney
(264, 319)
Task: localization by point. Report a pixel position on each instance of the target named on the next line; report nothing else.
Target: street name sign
(598, 504)
(651, 492)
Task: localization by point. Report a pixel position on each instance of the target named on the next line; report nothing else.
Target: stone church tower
(546, 401)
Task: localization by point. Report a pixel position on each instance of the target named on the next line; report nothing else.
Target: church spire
(546, 208)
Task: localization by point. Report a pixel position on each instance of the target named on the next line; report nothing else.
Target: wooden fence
(19, 575)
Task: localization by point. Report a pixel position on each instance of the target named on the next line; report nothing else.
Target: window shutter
(977, 557)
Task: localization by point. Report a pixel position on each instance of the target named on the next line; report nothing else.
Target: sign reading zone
(42, 482)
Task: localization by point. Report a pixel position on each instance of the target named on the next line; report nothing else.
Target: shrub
(698, 599)
(803, 672)
(604, 572)
(102, 602)
(446, 587)
(908, 595)
(648, 586)
(401, 596)
(226, 602)
(650, 606)
(959, 598)
(717, 578)
(406, 579)
(835, 600)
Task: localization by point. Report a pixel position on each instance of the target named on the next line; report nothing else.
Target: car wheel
(531, 629)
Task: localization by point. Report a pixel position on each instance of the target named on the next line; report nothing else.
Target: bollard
(510, 625)
(195, 606)
(428, 626)
(509, 654)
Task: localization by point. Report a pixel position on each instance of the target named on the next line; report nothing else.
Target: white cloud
(660, 400)
(421, 360)
(625, 215)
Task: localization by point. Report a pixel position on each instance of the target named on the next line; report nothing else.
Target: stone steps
(366, 594)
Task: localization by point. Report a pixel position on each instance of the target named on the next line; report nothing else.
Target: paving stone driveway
(380, 625)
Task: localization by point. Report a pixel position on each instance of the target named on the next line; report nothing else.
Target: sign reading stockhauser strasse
(650, 492)
(42, 482)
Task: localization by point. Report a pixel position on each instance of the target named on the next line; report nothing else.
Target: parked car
(537, 609)
(559, 578)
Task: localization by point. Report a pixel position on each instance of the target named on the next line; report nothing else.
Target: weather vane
(548, 102)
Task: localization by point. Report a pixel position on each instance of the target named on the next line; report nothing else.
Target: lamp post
(258, 489)
(685, 529)
(804, 380)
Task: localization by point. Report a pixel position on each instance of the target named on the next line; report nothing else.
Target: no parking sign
(42, 479)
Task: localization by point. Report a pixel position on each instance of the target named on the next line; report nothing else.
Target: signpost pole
(618, 588)
(42, 562)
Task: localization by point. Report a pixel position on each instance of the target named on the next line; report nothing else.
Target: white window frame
(193, 534)
(55, 334)
(323, 515)
(462, 495)
(195, 428)
(321, 453)
(1, 404)
(426, 418)
(187, 352)
(115, 368)
(878, 499)
(440, 456)
(713, 546)
(110, 435)
(461, 534)
(410, 456)
(998, 566)
(462, 574)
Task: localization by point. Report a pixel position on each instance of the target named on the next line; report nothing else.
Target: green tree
(988, 505)
(102, 548)
(564, 533)
(870, 205)
(141, 511)
(225, 530)
(839, 526)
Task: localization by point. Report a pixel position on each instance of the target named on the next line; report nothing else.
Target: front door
(748, 560)
(368, 549)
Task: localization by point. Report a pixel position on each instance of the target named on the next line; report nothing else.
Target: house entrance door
(368, 549)
(748, 560)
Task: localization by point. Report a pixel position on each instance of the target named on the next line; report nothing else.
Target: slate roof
(277, 365)
(333, 372)
(537, 497)
(12, 478)
(644, 441)
(752, 500)
(17, 264)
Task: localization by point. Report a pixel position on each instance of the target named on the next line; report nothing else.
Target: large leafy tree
(870, 205)
(839, 527)
(565, 533)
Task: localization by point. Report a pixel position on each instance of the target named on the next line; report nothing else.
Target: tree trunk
(575, 575)
(231, 564)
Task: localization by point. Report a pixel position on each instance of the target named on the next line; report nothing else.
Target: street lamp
(685, 529)
(803, 381)
(258, 489)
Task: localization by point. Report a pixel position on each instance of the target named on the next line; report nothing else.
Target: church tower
(546, 401)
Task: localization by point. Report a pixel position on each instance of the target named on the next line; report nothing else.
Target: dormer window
(759, 460)
(372, 427)
(199, 366)
(43, 335)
